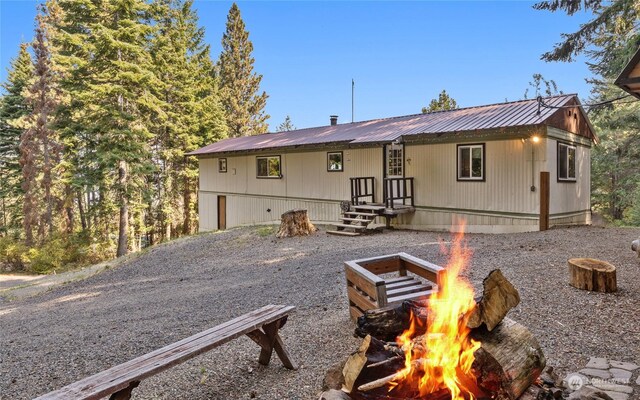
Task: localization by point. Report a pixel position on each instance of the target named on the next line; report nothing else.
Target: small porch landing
(355, 221)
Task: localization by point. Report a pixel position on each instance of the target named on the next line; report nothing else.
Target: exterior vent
(333, 119)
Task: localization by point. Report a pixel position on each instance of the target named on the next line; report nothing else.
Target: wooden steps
(355, 221)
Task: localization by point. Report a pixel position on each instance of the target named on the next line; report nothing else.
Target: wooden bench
(366, 290)
(260, 325)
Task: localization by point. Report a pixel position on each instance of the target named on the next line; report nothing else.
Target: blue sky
(401, 54)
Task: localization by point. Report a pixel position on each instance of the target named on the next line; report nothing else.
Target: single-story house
(629, 78)
(509, 167)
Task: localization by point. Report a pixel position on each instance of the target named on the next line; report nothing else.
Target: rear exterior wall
(503, 202)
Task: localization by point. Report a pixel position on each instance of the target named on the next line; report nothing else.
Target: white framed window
(222, 165)
(566, 162)
(471, 162)
(268, 167)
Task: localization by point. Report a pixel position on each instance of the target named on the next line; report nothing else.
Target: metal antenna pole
(353, 85)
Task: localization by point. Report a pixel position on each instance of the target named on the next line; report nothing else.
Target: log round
(295, 223)
(509, 360)
(635, 246)
(593, 275)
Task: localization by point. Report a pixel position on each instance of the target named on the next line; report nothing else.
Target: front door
(222, 212)
(394, 154)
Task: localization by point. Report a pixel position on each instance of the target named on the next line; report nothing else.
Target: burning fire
(442, 358)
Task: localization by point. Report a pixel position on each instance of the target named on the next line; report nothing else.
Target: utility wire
(541, 103)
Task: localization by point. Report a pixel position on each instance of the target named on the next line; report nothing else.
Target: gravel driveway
(182, 288)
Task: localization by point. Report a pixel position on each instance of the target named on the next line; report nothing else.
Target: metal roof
(501, 115)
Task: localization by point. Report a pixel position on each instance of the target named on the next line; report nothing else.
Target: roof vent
(333, 119)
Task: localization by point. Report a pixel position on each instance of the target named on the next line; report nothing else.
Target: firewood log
(295, 223)
(635, 246)
(389, 322)
(593, 275)
(498, 297)
(509, 360)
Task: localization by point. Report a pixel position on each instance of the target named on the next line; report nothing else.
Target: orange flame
(442, 358)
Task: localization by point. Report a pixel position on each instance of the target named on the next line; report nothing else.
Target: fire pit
(447, 346)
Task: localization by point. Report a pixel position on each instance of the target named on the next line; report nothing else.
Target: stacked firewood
(507, 365)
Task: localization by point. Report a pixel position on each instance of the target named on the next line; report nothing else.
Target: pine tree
(239, 85)
(286, 125)
(112, 77)
(443, 102)
(40, 150)
(13, 107)
(193, 113)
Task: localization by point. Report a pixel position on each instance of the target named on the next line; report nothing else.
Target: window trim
(483, 178)
(267, 158)
(329, 153)
(220, 170)
(575, 159)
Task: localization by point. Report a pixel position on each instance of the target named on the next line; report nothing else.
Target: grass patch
(265, 231)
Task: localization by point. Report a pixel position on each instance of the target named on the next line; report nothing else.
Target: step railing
(363, 190)
(398, 191)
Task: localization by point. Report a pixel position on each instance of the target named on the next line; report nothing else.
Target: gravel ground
(176, 290)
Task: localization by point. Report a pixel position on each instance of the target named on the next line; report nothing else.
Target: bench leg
(270, 340)
(125, 394)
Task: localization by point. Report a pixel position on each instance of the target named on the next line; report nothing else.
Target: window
(334, 162)
(566, 162)
(268, 167)
(471, 162)
(222, 165)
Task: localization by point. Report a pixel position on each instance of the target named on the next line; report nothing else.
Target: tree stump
(593, 275)
(295, 223)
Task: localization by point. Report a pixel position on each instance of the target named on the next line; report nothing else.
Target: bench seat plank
(119, 377)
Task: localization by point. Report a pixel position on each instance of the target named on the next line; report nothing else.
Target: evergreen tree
(443, 102)
(193, 114)
(239, 85)
(112, 79)
(13, 107)
(40, 150)
(286, 125)
(542, 87)
(608, 40)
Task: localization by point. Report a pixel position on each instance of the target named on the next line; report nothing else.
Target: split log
(295, 223)
(373, 352)
(593, 275)
(387, 323)
(498, 297)
(509, 360)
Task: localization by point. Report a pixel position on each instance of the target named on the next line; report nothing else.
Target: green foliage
(542, 87)
(609, 40)
(239, 85)
(265, 231)
(286, 125)
(13, 107)
(442, 103)
(58, 253)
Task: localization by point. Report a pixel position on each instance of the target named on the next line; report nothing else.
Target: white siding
(507, 177)
(504, 202)
(570, 196)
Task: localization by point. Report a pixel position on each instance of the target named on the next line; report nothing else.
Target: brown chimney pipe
(333, 119)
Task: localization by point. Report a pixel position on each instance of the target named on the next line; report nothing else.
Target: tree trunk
(69, 208)
(83, 219)
(186, 203)
(295, 223)
(123, 229)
